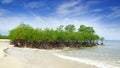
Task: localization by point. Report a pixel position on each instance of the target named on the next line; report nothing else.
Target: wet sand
(11, 57)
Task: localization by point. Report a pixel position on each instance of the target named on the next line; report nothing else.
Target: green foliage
(88, 33)
(102, 38)
(3, 37)
(26, 32)
(60, 28)
(23, 31)
(70, 28)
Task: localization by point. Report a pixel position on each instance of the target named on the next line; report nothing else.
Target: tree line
(3, 37)
(26, 36)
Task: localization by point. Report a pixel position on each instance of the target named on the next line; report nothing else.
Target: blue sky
(103, 15)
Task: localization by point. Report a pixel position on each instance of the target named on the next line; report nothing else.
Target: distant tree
(88, 33)
(90, 30)
(60, 28)
(22, 31)
(4, 37)
(102, 39)
(82, 29)
(0, 35)
(70, 28)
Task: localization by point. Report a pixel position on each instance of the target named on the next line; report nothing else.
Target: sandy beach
(12, 57)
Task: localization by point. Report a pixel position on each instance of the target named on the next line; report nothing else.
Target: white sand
(7, 61)
(33, 58)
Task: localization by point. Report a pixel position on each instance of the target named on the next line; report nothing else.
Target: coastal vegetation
(102, 39)
(26, 36)
(3, 37)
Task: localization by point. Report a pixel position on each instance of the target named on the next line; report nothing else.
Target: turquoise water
(107, 56)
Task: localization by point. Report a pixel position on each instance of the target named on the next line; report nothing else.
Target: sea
(102, 56)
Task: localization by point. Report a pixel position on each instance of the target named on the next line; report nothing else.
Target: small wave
(16, 53)
(86, 61)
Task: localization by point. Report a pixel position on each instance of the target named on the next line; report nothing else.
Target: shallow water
(107, 56)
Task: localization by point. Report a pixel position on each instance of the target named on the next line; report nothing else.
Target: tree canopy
(61, 34)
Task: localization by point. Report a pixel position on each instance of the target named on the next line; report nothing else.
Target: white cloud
(97, 10)
(74, 8)
(8, 23)
(34, 4)
(115, 13)
(93, 2)
(6, 1)
(3, 11)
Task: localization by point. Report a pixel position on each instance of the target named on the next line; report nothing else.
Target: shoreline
(52, 60)
(26, 58)
(7, 61)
